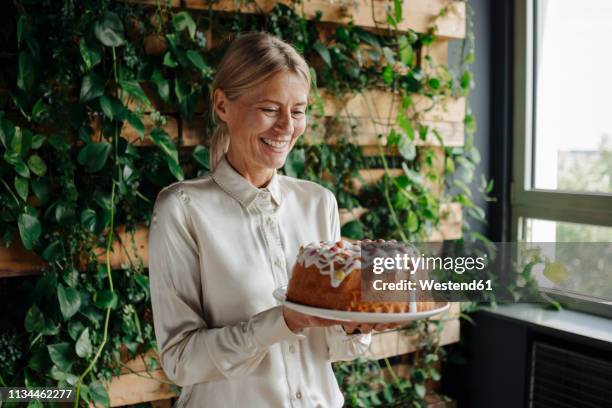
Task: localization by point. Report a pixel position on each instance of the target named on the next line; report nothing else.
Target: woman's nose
(285, 123)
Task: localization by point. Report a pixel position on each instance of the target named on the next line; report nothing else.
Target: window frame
(574, 207)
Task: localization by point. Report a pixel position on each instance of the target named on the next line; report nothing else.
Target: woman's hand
(297, 321)
(363, 328)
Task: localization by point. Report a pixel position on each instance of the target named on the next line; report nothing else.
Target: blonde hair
(250, 60)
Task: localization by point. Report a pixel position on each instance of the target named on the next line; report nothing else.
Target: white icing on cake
(344, 255)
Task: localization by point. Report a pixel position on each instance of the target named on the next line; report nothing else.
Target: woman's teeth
(275, 143)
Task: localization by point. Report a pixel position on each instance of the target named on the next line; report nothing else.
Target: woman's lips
(275, 145)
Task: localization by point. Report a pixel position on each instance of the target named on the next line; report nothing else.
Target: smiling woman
(262, 104)
(219, 246)
(265, 123)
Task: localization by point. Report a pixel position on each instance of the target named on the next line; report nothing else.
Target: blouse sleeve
(343, 346)
(191, 352)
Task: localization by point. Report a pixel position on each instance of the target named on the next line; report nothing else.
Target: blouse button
(291, 348)
(298, 395)
(278, 263)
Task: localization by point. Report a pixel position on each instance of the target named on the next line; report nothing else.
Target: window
(562, 124)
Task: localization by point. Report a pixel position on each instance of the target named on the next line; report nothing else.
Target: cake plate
(280, 294)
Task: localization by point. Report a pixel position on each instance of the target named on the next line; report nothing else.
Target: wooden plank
(365, 131)
(123, 253)
(139, 387)
(17, 261)
(419, 15)
(193, 131)
(450, 221)
(397, 342)
(161, 404)
(376, 103)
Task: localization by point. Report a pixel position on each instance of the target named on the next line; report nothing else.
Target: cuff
(269, 327)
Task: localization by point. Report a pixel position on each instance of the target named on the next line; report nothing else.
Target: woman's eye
(298, 113)
(269, 110)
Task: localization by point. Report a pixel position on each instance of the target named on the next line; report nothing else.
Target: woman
(219, 245)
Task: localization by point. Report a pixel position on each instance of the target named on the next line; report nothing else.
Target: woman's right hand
(297, 321)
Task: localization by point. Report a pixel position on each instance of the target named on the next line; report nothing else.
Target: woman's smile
(264, 124)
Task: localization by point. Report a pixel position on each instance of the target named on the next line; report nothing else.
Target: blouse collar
(240, 188)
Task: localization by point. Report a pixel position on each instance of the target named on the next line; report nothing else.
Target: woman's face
(265, 122)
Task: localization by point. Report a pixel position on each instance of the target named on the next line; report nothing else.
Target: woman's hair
(250, 60)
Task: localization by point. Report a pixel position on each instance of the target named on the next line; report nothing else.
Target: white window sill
(570, 321)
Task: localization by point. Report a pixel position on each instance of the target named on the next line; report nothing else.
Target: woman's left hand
(363, 328)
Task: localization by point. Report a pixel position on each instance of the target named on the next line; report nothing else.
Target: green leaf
(34, 320)
(405, 51)
(323, 52)
(98, 394)
(106, 298)
(107, 107)
(22, 169)
(387, 74)
(353, 230)
(21, 25)
(29, 230)
(94, 156)
(405, 124)
(175, 168)
(91, 55)
(75, 327)
(466, 80)
(22, 187)
(412, 223)
(53, 251)
(393, 138)
(91, 87)
(132, 87)
(294, 166)
(389, 55)
(162, 85)
(83, 345)
(556, 272)
(61, 355)
(407, 148)
(182, 20)
(69, 300)
(397, 7)
(137, 124)
(37, 165)
(169, 60)
(88, 219)
(197, 60)
(201, 155)
(37, 141)
(109, 30)
(450, 165)
(59, 375)
(162, 140)
(38, 110)
(40, 187)
(420, 390)
(25, 71)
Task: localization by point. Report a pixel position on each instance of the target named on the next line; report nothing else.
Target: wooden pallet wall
(361, 116)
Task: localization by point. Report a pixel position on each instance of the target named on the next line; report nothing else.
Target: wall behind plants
(104, 103)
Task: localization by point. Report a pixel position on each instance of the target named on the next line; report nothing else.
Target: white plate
(280, 294)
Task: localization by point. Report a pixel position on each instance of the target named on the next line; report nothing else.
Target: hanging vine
(93, 93)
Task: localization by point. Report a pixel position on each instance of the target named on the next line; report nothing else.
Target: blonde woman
(219, 245)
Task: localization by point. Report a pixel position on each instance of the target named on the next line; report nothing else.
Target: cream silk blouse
(218, 247)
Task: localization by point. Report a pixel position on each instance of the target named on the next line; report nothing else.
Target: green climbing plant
(93, 92)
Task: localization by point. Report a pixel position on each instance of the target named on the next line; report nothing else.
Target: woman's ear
(221, 104)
